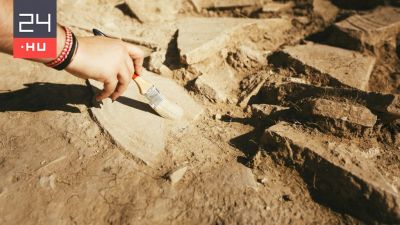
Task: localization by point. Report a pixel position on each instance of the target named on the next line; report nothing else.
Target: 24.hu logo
(35, 29)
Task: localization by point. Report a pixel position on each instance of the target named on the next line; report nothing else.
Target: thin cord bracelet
(69, 56)
(68, 52)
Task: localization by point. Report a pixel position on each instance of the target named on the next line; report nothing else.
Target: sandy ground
(58, 167)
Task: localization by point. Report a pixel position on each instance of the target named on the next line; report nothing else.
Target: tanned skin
(110, 61)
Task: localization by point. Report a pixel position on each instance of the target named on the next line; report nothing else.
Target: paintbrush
(157, 101)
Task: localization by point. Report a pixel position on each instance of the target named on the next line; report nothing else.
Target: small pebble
(217, 116)
(263, 180)
(286, 198)
(177, 175)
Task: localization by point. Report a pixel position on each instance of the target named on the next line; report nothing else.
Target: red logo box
(30, 48)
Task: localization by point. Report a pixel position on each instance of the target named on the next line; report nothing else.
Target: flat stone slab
(369, 30)
(337, 173)
(135, 126)
(200, 38)
(275, 7)
(355, 114)
(292, 92)
(262, 111)
(216, 86)
(154, 10)
(347, 67)
(201, 4)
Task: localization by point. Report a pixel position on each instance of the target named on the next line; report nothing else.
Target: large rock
(367, 31)
(216, 86)
(154, 10)
(326, 65)
(200, 38)
(263, 111)
(287, 93)
(335, 173)
(201, 4)
(343, 111)
(277, 7)
(135, 126)
(326, 10)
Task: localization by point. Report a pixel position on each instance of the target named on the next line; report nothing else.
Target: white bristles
(169, 110)
(162, 105)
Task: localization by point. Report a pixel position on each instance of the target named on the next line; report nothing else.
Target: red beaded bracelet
(66, 50)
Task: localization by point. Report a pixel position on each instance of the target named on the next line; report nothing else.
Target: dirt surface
(283, 139)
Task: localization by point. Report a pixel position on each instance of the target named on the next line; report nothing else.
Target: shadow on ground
(39, 96)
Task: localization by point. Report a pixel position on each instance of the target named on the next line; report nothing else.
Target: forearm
(6, 31)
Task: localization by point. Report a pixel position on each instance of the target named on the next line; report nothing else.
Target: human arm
(107, 60)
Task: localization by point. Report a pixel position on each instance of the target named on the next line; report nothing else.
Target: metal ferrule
(154, 96)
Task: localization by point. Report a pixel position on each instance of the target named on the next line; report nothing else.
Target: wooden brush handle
(142, 84)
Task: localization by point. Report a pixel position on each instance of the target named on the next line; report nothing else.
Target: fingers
(137, 56)
(129, 65)
(124, 78)
(109, 88)
(117, 84)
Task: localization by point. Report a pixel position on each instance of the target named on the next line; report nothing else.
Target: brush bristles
(169, 110)
(162, 105)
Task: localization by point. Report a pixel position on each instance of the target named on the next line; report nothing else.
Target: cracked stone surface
(200, 38)
(216, 86)
(367, 31)
(348, 112)
(135, 126)
(154, 10)
(334, 64)
(338, 174)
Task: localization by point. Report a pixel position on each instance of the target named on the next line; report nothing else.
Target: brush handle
(142, 84)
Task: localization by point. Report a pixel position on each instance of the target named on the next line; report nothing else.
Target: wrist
(61, 36)
(67, 53)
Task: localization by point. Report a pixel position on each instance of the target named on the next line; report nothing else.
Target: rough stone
(326, 10)
(264, 110)
(367, 31)
(200, 38)
(246, 58)
(201, 4)
(177, 175)
(239, 176)
(216, 86)
(334, 65)
(250, 87)
(156, 64)
(291, 92)
(154, 10)
(277, 7)
(347, 112)
(338, 175)
(133, 124)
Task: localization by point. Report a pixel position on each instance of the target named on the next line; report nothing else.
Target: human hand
(110, 61)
